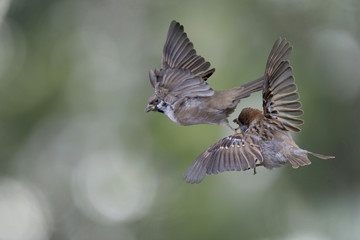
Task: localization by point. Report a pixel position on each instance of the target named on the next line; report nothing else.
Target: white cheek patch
(162, 105)
(168, 111)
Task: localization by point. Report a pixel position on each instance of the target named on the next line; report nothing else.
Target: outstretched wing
(234, 153)
(280, 99)
(179, 53)
(177, 83)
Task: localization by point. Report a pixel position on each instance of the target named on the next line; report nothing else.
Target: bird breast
(192, 111)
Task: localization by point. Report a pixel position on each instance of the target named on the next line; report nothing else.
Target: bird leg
(257, 165)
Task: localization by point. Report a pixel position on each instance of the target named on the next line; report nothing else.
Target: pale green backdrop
(80, 160)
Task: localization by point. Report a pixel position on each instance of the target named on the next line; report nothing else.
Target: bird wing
(178, 83)
(280, 99)
(179, 53)
(237, 152)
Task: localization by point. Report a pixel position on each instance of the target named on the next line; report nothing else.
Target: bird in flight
(264, 139)
(180, 88)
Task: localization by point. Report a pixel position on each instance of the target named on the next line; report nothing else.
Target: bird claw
(256, 165)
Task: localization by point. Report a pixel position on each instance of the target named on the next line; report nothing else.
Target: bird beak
(150, 107)
(236, 121)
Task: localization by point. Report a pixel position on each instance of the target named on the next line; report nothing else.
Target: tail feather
(299, 157)
(247, 89)
(320, 156)
(299, 160)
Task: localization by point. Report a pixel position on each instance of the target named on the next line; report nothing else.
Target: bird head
(155, 104)
(247, 118)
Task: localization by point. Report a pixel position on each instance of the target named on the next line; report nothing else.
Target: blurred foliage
(79, 159)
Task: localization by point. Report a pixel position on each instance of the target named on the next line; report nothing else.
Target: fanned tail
(299, 161)
(299, 158)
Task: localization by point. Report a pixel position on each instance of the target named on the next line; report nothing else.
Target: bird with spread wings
(264, 139)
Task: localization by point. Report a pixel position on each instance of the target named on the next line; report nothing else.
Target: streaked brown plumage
(265, 139)
(181, 91)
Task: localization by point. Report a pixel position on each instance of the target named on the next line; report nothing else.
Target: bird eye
(155, 101)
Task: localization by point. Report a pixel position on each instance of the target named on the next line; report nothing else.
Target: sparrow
(265, 138)
(180, 88)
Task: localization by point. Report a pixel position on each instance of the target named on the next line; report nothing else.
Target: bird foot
(257, 165)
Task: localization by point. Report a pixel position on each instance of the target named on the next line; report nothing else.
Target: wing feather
(280, 97)
(234, 153)
(177, 83)
(179, 53)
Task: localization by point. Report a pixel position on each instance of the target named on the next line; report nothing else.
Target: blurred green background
(80, 160)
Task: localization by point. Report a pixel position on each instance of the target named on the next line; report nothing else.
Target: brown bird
(265, 139)
(181, 91)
